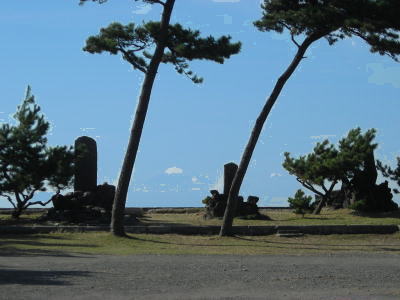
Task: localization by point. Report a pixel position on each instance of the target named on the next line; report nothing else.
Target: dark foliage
(388, 172)
(322, 169)
(27, 164)
(300, 202)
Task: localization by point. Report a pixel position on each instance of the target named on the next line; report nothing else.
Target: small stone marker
(85, 164)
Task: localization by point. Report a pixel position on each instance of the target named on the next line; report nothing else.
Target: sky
(192, 130)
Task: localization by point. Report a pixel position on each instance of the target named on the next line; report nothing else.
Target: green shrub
(206, 200)
(300, 203)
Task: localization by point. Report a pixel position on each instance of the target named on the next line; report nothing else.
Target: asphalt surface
(345, 276)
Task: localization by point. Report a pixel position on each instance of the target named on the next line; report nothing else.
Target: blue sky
(191, 130)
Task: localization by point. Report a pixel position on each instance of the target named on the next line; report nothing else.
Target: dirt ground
(345, 276)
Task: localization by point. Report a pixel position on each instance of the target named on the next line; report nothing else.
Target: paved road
(345, 276)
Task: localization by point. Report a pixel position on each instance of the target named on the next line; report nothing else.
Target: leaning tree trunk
(226, 228)
(320, 205)
(117, 219)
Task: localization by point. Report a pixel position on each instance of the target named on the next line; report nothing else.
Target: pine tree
(388, 172)
(174, 45)
(300, 202)
(374, 21)
(27, 164)
(322, 169)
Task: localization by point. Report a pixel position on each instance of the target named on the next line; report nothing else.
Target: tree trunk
(226, 228)
(321, 204)
(117, 218)
(16, 213)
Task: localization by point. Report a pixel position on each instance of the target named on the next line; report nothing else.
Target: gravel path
(344, 276)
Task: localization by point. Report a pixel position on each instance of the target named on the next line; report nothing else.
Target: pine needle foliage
(300, 202)
(320, 170)
(134, 42)
(27, 164)
(388, 172)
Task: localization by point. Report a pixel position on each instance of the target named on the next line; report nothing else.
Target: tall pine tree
(376, 22)
(174, 45)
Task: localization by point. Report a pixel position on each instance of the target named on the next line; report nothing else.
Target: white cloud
(196, 180)
(173, 170)
(322, 136)
(275, 175)
(195, 189)
(142, 9)
(87, 128)
(381, 75)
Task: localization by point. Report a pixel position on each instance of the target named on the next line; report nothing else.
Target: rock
(229, 173)
(85, 175)
(105, 194)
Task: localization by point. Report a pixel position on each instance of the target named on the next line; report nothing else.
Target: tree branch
(310, 187)
(132, 62)
(37, 202)
(9, 199)
(294, 41)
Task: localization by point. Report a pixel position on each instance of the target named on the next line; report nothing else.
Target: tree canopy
(182, 45)
(388, 172)
(322, 169)
(374, 21)
(27, 164)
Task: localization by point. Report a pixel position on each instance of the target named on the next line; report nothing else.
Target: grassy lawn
(276, 217)
(104, 243)
(279, 217)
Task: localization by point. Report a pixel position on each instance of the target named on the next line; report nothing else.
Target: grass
(67, 244)
(194, 217)
(280, 217)
(104, 243)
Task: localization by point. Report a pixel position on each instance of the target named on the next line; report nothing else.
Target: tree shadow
(147, 221)
(29, 277)
(296, 242)
(389, 214)
(286, 245)
(29, 245)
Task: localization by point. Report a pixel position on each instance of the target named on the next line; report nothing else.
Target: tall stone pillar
(85, 164)
(229, 174)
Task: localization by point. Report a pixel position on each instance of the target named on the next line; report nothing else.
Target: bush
(300, 203)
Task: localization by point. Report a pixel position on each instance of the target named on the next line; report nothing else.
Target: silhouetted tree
(27, 164)
(133, 42)
(374, 21)
(322, 169)
(388, 172)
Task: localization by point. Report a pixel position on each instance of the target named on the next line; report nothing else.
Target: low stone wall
(212, 230)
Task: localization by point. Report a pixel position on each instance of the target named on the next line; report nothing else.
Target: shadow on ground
(12, 245)
(29, 277)
(287, 244)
